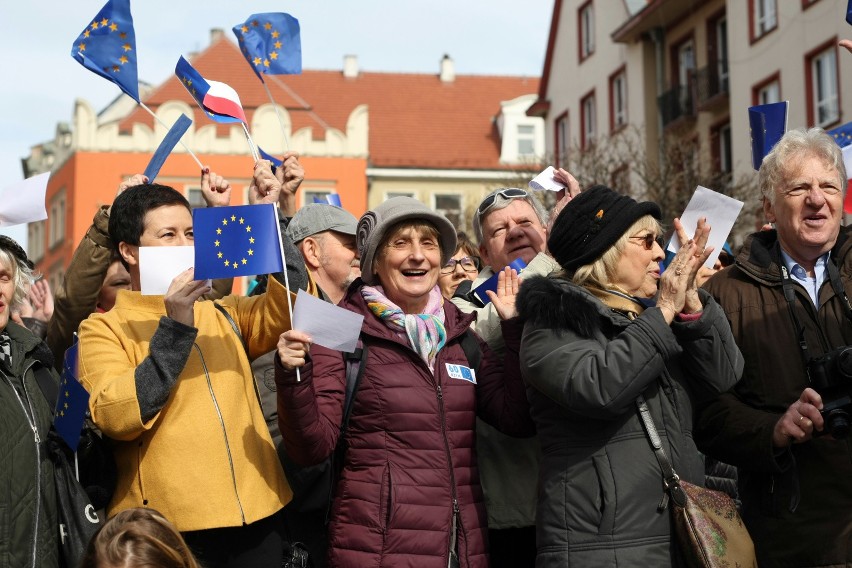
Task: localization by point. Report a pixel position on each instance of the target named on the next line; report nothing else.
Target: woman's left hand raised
(678, 289)
(508, 283)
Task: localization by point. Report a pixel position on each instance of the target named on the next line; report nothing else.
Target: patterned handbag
(707, 525)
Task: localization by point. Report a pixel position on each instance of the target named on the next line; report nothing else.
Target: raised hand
(563, 195)
(215, 189)
(678, 290)
(293, 348)
(41, 299)
(181, 296)
(265, 187)
(291, 174)
(508, 284)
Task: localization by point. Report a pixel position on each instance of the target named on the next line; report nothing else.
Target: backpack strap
(48, 387)
(234, 325)
(355, 363)
(472, 352)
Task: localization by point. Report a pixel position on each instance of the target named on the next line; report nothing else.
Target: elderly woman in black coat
(595, 340)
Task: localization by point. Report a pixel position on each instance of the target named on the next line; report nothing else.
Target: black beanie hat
(16, 250)
(591, 223)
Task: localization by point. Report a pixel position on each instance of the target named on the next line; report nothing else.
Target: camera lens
(837, 424)
(844, 363)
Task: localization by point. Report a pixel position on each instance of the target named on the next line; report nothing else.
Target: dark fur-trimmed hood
(558, 304)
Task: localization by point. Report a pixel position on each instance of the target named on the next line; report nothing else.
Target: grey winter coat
(585, 364)
(28, 516)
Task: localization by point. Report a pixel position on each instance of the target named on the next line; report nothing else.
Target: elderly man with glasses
(510, 223)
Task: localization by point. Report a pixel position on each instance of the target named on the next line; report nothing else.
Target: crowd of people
(467, 430)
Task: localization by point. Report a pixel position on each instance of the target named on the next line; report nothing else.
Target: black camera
(831, 377)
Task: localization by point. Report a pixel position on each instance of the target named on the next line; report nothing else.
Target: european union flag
(271, 43)
(842, 134)
(219, 101)
(72, 402)
(241, 240)
(165, 148)
(768, 123)
(108, 47)
(849, 13)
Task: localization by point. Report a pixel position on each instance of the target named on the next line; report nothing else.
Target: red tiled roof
(415, 120)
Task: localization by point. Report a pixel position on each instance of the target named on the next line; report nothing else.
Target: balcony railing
(678, 102)
(710, 83)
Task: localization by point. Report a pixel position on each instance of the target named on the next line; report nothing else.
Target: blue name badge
(461, 372)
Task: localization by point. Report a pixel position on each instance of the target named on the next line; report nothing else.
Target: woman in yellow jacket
(170, 382)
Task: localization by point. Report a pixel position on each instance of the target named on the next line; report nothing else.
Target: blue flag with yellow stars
(271, 43)
(842, 134)
(276, 163)
(767, 123)
(240, 240)
(108, 47)
(72, 402)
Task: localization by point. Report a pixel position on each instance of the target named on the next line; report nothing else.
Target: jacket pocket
(606, 493)
(589, 506)
(386, 498)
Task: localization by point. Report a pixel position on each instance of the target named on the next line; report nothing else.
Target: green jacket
(28, 514)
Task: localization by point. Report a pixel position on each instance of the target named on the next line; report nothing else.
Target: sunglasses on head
(508, 193)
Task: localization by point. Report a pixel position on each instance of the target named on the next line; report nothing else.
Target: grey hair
(23, 275)
(501, 202)
(814, 141)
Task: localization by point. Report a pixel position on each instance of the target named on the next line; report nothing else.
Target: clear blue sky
(41, 80)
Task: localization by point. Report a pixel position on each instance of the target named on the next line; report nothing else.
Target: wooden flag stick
(286, 278)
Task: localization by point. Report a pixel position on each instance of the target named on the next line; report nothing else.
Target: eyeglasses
(508, 193)
(647, 240)
(468, 264)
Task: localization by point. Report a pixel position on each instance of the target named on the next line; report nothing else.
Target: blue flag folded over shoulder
(72, 402)
(240, 240)
(768, 123)
(271, 43)
(108, 47)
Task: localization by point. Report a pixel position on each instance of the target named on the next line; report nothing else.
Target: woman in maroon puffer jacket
(409, 494)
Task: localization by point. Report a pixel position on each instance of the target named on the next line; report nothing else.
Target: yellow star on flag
(244, 261)
(273, 55)
(275, 34)
(219, 255)
(127, 47)
(218, 231)
(248, 228)
(266, 63)
(227, 263)
(104, 22)
(244, 28)
(235, 265)
(113, 26)
(251, 252)
(233, 217)
(122, 35)
(123, 59)
(216, 242)
(257, 61)
(224, 221)
(251, 240)
(242, 220)
(277, 45)
(94, 25)
(82, 47)
(86, 33)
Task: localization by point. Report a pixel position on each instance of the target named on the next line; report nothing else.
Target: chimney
(216, 34)
(448, 70)
(350, 66)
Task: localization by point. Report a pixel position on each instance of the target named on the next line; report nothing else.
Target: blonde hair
(23, 276)
(600, 273)
(138, 538)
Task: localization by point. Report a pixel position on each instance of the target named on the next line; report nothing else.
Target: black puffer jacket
(28, 516)
(585, 363)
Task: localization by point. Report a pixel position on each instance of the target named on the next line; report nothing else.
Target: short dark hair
(127, 214)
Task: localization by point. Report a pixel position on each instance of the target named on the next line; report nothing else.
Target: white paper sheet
(721, 212)
(545, 182)
(158, 266)
(328, 325)
(23, 202)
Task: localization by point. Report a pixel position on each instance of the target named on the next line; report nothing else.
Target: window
(586, 30)
(763, 18)
(720, 137)
(57, 219)
(767, 91)
(587, 119)
(56, 276)
(195, 197)
(561, 142)
(721, 53)
(618, 100)
(450, 206)
(35, 241)
(821, 81)
(685, 62)
(526, 140)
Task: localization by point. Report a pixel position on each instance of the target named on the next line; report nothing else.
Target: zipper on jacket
(31, 418)
(455, 520)
(224, 432)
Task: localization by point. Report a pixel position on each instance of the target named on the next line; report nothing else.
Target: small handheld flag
(72, 402)
(267, 156)
(107, 47)
(849, 13)
(767, 123)
(219, 101)
(166, 146)
(241, 240)
(271, 43)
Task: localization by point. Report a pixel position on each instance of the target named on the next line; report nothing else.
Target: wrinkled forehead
(513, 208)
(807, 165)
